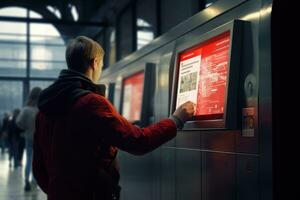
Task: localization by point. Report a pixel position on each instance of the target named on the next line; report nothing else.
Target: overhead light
(258, 14)
(55, 11)
(208, 4)
(74, 12)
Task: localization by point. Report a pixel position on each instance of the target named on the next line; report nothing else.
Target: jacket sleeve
(117, 131)
(38, 164)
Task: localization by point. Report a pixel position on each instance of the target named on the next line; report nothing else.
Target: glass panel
(46, 69)
(13, 12)
(43, 29)
(41, 84)
(14, 51)
(112, 48)
(47, 52)
(13, 27)
(13, 43)
(144, 33)
(40, 39)
(12, 59)
(16, 72)
(35, 15)
(146, 22)
(11, 96)
(10, 37)
(12, 64)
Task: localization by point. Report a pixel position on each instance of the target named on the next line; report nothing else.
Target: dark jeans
(2, 144)
(28, 166)
(21, 148)
(13, 151)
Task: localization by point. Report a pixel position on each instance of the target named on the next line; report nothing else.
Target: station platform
(12, 182)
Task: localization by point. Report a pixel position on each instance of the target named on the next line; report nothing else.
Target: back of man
(75, 145)
(68, 146)
(78, 132)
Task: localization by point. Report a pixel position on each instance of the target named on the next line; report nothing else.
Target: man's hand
(185, 111)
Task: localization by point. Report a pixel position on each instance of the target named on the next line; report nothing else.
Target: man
(78, 131)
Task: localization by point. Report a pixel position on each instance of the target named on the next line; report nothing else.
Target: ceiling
(86, 9)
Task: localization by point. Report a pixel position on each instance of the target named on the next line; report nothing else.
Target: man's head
(86, 56)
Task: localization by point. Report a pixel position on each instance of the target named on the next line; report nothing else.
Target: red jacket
(65, 159)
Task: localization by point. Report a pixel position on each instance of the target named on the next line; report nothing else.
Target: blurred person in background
(0, 134)
(13, 138)
(3, 135)
(21, 148)
(26, 121)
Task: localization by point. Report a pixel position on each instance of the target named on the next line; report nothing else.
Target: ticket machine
(207, 73)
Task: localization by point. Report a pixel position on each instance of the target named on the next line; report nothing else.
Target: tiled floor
(12, 183)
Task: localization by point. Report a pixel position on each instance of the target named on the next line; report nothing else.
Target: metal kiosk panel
(137, 96)
(206, 73)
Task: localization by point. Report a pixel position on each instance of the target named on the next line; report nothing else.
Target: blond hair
(80, 52)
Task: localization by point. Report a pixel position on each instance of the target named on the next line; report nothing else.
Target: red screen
(132, 96)
(202, 75)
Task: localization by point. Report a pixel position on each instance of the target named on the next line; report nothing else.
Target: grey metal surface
(188, 174)
(137, 176)
(206, 164)
(168, 174)
(218, 171)
(265, 101)
(201, 18)
(147, 113)
(219, 141)
(188, 139)
(192, 39)
(247, 179)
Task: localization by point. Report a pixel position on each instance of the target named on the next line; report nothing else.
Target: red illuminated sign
(132, 96)
(202, 76)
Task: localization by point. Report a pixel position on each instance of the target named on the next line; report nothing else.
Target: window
(11, 96)
(13, 12)
(144, 33)
(41, 84)
(146, 21)
(19, 67)
(112, 48)
(13, 43)
(47, 50)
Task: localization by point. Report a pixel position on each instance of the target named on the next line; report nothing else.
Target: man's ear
(94, 63)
